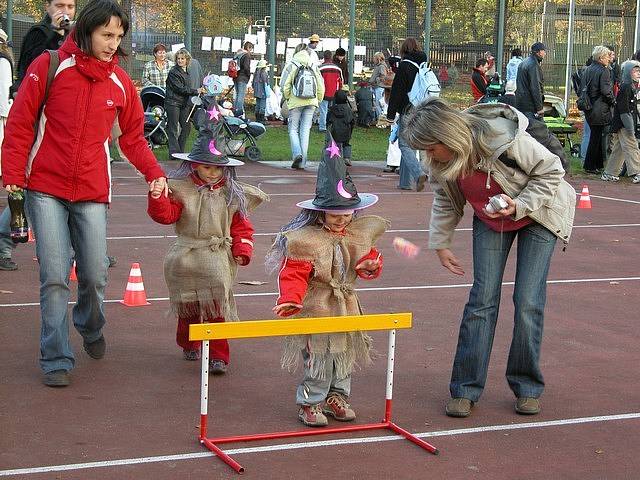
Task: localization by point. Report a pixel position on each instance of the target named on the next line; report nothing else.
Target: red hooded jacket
(70, 156)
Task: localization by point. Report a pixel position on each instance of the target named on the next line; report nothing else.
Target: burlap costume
(331, 292)
(199, 267)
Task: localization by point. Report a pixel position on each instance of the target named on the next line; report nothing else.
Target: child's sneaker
(312, 416)
(336, 406)
(609, 178)
(191, 355)
(217, 367)
(636, 178)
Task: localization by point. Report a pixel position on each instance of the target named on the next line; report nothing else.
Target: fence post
(188, 28)
(272, 42)
(567, 80)
(427, 29)
(352, 39)
(500, 50)
(636, 43)
(9, 25)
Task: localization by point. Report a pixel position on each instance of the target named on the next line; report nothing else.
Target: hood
(626, 70)
(88, 65)
(340, 110)
(302, 57)
(417, 57)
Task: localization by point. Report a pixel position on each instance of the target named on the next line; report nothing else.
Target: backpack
(425, 84)
(584, 101)
(304, 82)
(233, 67)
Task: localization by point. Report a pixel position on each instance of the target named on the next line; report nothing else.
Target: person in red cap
(319, 255)
(209, 208)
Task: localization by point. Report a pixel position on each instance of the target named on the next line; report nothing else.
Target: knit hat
(335, 191)
(210, 144)
(538, 46)
(341, 52)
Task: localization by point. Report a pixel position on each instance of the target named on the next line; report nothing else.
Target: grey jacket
(536, 185)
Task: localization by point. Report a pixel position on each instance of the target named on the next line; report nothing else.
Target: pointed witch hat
(335, 191)
(209, 146)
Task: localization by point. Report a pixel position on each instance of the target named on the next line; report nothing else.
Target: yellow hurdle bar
(298, 326)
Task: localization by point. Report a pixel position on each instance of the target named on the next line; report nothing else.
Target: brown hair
(410, 45)
(159, 46)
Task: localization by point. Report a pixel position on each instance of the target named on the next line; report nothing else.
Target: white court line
(614, 199)
(369, 289)
(322, 443)
(303, 194)
(403, 230)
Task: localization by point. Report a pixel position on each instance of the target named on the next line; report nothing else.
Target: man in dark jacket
(340, 124)
(243, 58)
(411, 173)
(530, 83)
(479, 80)
(48, 34)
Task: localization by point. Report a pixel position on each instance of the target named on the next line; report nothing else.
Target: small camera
(496, 203)
(65, 21)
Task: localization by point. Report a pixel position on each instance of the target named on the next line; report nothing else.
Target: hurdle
(299, 326)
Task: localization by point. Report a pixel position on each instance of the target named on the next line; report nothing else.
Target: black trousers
(177, 127)
(594, 159)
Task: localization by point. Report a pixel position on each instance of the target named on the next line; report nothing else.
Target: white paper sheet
(236, 45)
(225, 42)
(262, 37)
(225, 64)
(176, 47)
(206, 44)
(360, 50)
(281, 48)
(331, 44)
(216, 43)
(344, 43)
(260, 49)
(289, 54)
(293, 42)
(249, 37)
(357, 66)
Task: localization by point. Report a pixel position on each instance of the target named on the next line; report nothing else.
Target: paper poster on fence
(236, 45)
(216, 43)
(360, 50)
(344, 43)
(293, 42)
(225, 64)
(254, 63)
(249, 37)
(225, 43)
(262, 37)
(331, 44)
(260, 49)
(281, 48)
(176, 47)
(289, 55)
(357, 66)
(206, 44)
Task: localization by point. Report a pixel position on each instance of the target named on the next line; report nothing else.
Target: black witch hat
(335, 191)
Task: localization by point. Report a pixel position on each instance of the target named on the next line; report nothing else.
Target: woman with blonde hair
(378, 75)
(597, 80)
(474, 156)
(177, 103)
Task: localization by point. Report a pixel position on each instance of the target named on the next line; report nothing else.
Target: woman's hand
(369, 267)
(505, 212)
(285, 309)
(13, 188)
(158, 187)
(449, 261)
(202, 90)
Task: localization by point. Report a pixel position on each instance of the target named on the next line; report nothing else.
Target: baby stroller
(555, 117)
(155, 117)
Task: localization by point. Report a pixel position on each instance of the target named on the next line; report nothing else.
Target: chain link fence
(460, 32)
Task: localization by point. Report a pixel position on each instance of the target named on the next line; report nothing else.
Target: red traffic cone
(134, 295)
(32, 237)
(72, 276)
(585, 199)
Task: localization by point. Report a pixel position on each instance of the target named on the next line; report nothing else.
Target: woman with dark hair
(411, 175)
(156, 71)
(66, 174)
(473, 157)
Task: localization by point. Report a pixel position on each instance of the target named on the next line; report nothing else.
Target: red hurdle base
(387, 424)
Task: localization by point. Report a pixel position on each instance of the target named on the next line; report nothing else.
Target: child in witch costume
(319, 255)
(209, 208)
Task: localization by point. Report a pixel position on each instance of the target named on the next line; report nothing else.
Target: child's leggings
(218, 349)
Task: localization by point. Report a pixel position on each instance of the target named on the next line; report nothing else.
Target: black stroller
(155, 117)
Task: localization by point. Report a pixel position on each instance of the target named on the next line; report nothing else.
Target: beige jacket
(536, 185)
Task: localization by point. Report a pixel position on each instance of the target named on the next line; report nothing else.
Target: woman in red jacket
(66, 175)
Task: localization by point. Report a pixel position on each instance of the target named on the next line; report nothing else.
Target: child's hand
(159, 186)
(369, 267)
(241, 260)
(285, 309)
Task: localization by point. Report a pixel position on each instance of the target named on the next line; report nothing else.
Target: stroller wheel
(253, 153)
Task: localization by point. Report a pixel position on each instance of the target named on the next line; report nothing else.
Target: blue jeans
(238, 99)
(299, 125)
(410, 168)
(323, 109)
(379, 94)
(6, 244)
(59, 226)
(586, 135)
(261, 105)
(475, 340)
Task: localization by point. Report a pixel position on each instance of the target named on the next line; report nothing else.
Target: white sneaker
(636, 178)
(609, 178)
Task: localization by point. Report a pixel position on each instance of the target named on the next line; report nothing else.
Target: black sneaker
(7, 264)
(297, 163)
(96, 349)
(56, 378)
(112, 261)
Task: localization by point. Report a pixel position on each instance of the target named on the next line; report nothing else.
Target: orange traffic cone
(72, 276)
(134, 295)
(32, 237)
(585, 199)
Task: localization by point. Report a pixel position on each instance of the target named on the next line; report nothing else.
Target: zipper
(78, 154)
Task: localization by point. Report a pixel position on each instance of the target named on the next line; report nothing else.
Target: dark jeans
(594, 159)
(177, 122)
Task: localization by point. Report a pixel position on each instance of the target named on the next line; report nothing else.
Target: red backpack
(232, 68)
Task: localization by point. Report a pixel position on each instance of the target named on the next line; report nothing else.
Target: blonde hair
(599, 52)
(434, 121)
(378, 58)
(185, 53)
(4, 48)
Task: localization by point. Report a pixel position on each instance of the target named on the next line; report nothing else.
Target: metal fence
(461, 31)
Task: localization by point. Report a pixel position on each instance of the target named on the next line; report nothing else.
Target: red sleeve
(132, 141)
(372, 255)
(293, 280)
(164, 210)
(19, 132)
(241, 237)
